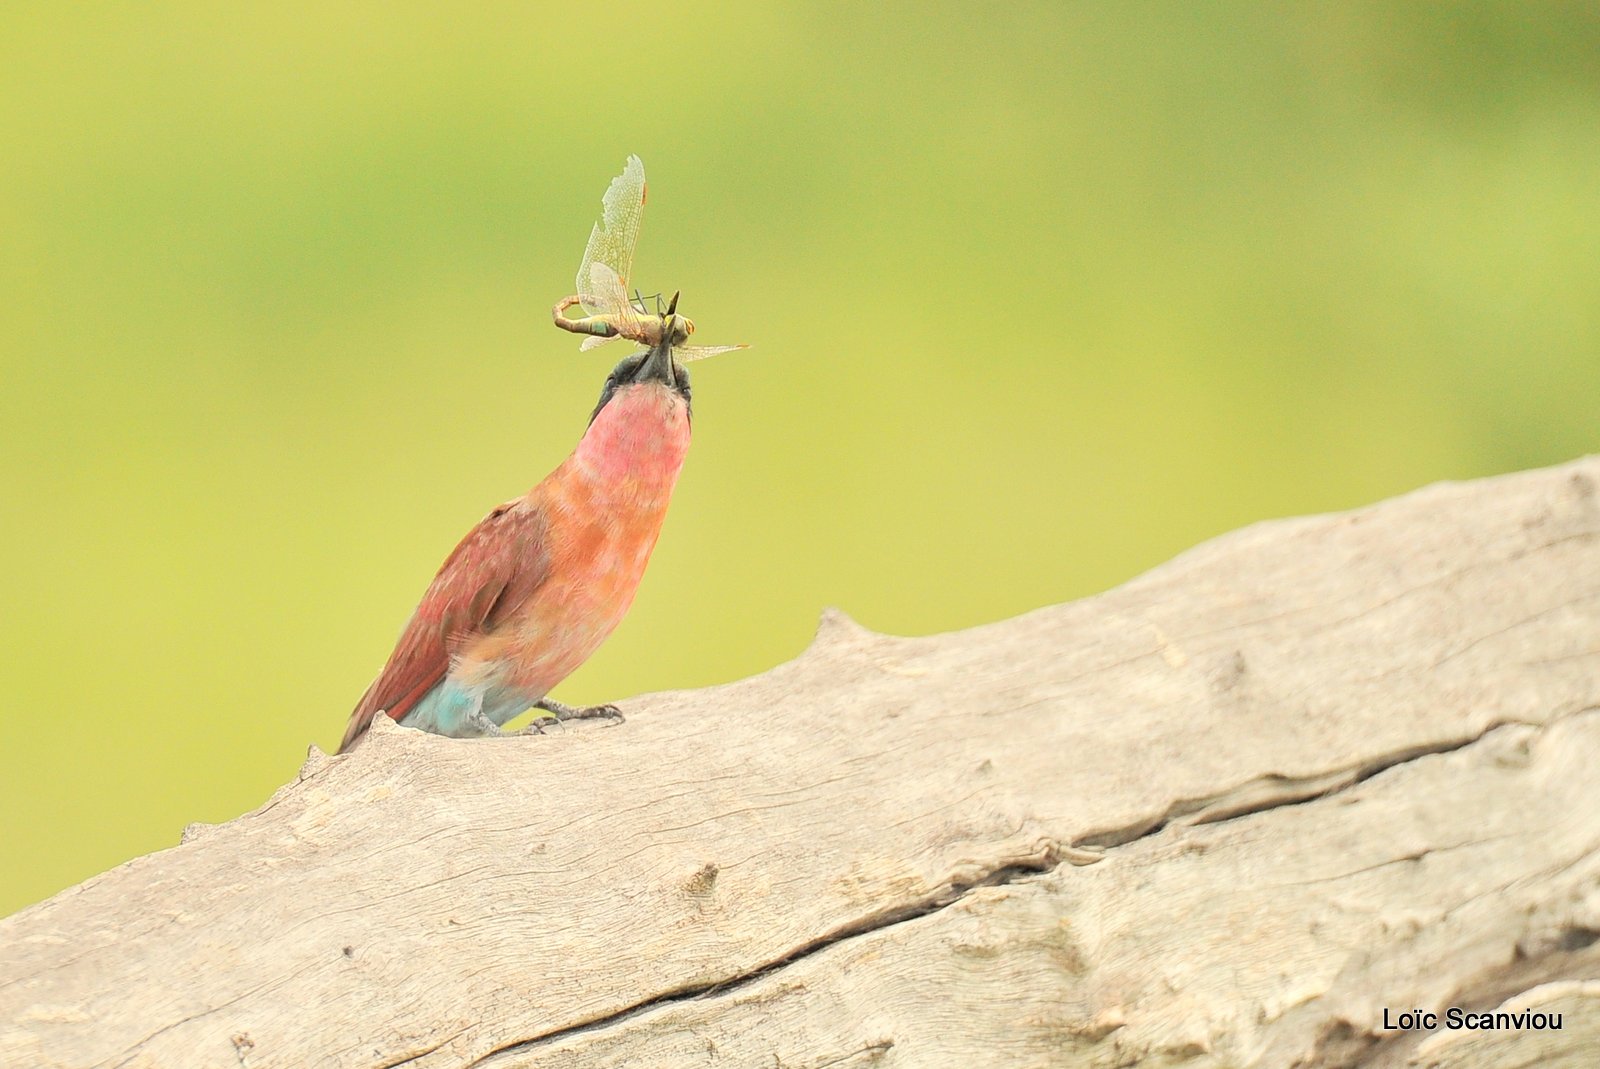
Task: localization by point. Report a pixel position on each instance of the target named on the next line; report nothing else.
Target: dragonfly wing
(686, 353)
(610, 294)
(615, 235)
(592, 342)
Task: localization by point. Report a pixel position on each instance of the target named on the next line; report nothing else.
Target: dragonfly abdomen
(598, 325)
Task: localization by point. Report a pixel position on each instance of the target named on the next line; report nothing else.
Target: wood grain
(1226, 814)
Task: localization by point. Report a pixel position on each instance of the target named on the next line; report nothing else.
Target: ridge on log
(1231, 813)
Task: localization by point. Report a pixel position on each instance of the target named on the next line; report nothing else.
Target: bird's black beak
(659, 366)
(669, 322)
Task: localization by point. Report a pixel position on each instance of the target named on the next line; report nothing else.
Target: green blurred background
(1040, 295)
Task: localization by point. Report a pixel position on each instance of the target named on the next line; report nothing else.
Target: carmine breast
(604, 506)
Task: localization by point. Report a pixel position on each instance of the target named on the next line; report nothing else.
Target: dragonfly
(602, 290)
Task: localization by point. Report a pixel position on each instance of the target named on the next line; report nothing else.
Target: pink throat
(636, 444)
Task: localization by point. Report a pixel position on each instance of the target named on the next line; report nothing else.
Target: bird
(535, 588)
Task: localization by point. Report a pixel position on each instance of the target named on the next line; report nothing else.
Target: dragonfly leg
(639, 299)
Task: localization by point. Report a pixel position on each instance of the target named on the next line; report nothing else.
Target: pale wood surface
(1223, 815)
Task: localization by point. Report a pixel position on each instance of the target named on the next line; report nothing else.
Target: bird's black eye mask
(624, 373)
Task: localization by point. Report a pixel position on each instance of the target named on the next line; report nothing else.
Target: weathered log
(1232, 813)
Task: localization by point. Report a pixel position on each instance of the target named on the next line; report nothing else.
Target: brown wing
(489, 575)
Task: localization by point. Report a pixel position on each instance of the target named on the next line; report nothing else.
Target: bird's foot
(559, 712)
(478, 726)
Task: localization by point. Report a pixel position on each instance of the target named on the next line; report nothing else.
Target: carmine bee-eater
(534, 589)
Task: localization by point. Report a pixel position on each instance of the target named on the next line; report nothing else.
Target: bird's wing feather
(491, 573)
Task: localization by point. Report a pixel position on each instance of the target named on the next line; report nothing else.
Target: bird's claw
(559, 712)
(597, 712)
